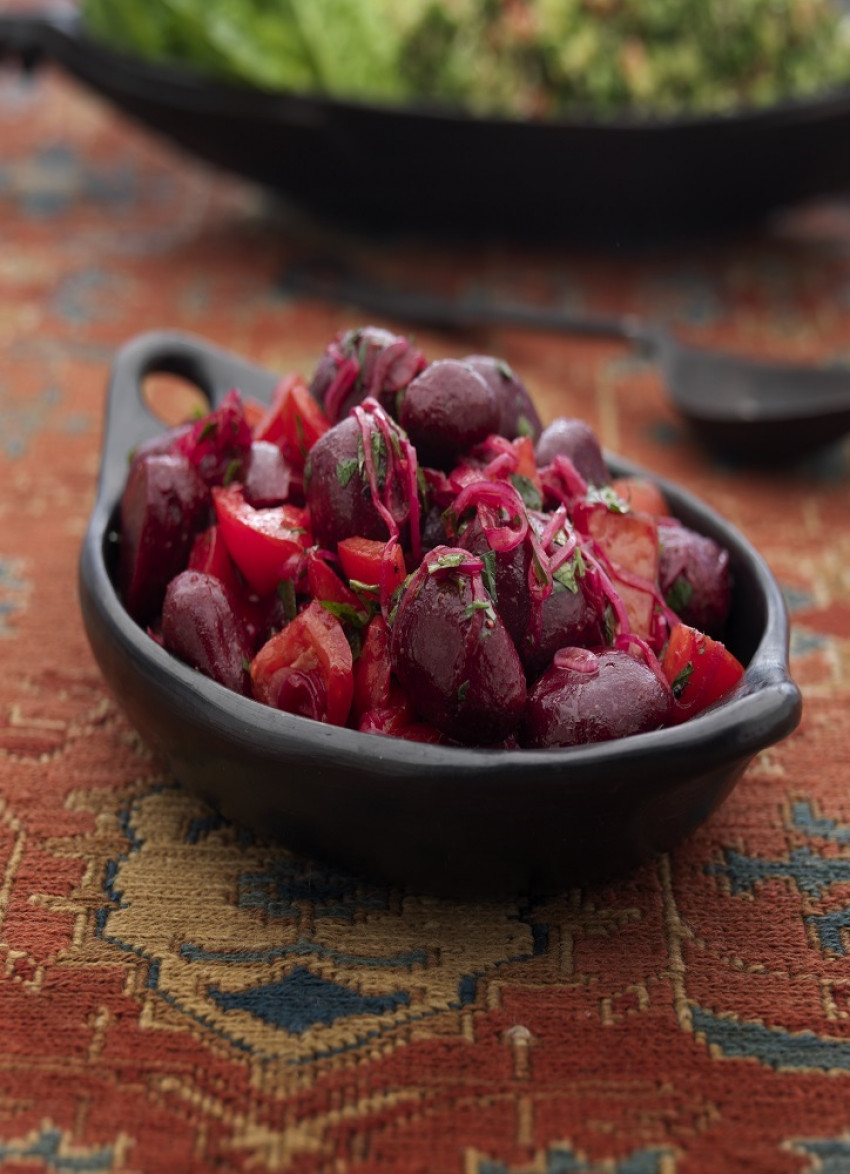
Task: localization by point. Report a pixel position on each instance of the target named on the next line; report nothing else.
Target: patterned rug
(178, 997)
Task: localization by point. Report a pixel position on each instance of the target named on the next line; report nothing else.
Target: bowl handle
(129, 421)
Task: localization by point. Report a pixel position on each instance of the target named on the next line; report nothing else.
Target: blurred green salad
(519, 58)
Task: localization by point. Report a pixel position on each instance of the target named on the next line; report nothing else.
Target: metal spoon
(761, 411)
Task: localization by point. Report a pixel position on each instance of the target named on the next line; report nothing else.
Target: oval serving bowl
(437, 169)
(449, 820)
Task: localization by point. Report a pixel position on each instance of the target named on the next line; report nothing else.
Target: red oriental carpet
(177, 997)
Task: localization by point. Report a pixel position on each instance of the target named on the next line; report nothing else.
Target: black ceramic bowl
(450, 820)
(402, 167)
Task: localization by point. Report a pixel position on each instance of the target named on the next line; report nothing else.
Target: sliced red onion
(299, 692)
(346, 375)
(628, 640)
(489, 497)
(578, 660)
(562, 479)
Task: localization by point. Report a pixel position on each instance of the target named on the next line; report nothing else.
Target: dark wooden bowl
(449, 820)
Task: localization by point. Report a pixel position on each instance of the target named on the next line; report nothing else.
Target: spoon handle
(426, 309)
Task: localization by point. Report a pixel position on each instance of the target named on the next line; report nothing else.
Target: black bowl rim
(764, 709)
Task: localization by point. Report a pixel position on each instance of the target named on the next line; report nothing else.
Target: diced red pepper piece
(294, 421)
(372, 563)
(700, 670)
(265, 544)
(307, 668)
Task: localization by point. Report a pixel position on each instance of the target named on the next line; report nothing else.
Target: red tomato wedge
(373, 684)
(398, 723)
(294, 421)
(210, 555)
(366, 560)
(630, 542)
(324, 584)
(266, 543)
(255, 411)
(700, 670)
(307, 669)
(526, 462)
(642, 495)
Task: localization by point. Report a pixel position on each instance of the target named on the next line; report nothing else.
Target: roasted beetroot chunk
(594, 696)
(569, 617)
(361, 480)
(447, 410)
(164, 504)
(452, 653)
(201, 626)
(517, 413)
(694, 577)
(576, 440)
(506, 578)
(361, 363)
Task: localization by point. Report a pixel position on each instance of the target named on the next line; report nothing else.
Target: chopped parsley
(286, 591)
(609, 624)
(569, 572)
(446, 561)
(360, 588)
(680, 593)
(488, 574)
(540, 572)
(345, 470)
(681, 679)
(231, 473)
(347, 613)
(528, 491)
(478, 605)
(605, 495)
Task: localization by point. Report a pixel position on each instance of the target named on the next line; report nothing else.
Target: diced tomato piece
(526, 462)
(210, 555)
(294, 421)
(307, 668)
(374, 687)
(255, 411)
(700, 670)
(630, 542)
(265, 544)
(642, 496)
(396, 722)
(372, 563)
(324, 584)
